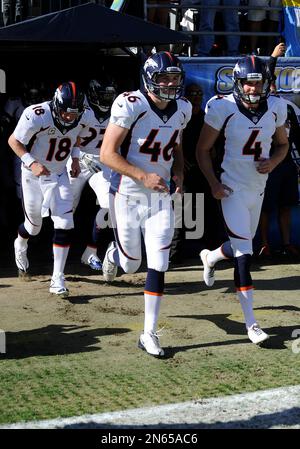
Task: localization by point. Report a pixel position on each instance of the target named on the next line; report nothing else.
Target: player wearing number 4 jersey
(141, 144)
(250, 120)
(44, 139)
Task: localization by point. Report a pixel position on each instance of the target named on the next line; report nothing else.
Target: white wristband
(75, 152)
(27, 159)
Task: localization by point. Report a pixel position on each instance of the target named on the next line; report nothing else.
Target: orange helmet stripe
(73, 88)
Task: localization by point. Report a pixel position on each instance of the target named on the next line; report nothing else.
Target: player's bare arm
(207, 139)
(114, 136)
(20, 150)
(281, 147)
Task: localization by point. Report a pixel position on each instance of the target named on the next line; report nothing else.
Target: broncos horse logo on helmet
(158, 64)
(251, 68)
(101, 95)
(68, 104)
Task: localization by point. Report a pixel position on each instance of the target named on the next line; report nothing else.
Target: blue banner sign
(215, 76)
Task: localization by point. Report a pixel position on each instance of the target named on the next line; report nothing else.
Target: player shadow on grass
(85, 299)
(55, 339)
(278, 335)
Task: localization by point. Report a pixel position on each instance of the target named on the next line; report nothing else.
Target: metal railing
(176, 6)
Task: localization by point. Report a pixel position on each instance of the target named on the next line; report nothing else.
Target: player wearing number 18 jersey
(44, 139)
(251, 120)
(141, 144)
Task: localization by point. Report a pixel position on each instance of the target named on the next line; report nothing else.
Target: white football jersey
(248, 136)
(152, 136)
(91, 140)
(46, 143)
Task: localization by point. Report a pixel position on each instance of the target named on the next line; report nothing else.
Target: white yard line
(275, 408)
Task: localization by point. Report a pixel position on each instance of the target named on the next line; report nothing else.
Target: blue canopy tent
(88, 24)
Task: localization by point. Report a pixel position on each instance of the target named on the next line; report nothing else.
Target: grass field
(67, 357)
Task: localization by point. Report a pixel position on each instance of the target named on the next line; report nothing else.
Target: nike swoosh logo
(120, 105)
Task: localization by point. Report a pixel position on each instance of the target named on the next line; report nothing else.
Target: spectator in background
(14, 11)
(231, 23)
(281, 192)
(159, 16)
(262, 20)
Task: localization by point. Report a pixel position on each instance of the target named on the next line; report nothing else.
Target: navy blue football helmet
(163, 63)
(251, 68)
(101, 95)
(33, 92)
(68, 104)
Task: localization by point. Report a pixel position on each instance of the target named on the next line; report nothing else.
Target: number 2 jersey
(48, 143)
(91, 140)
(151, 139)
(248, 137)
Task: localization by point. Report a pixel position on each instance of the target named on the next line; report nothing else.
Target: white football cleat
(208, 271)
(149, 342)
(21, 259)
(57, 286)
(91, 259)
(109, 269)
(256, 334)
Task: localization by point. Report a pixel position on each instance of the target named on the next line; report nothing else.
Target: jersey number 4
(154, 148)
(251, 147)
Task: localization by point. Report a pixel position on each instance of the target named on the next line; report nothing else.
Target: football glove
(88, 161)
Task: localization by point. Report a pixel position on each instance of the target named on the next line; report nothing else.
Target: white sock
(214, 256)
(152, 306)
(22, 243)
(91, 250)
(246, 300)
(60, 254)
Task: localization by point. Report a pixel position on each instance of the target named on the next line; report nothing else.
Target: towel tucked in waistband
(48, 184)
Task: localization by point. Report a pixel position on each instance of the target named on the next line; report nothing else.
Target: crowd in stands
(198, 16)
(225, 16)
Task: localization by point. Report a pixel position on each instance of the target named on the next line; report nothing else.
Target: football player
(32, 93)
(250, 119)
(141, 144)
(44, 139)
(100, 95)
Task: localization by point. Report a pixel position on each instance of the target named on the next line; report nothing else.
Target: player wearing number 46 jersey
(141, 144)
(44, 139)
(250, 120)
